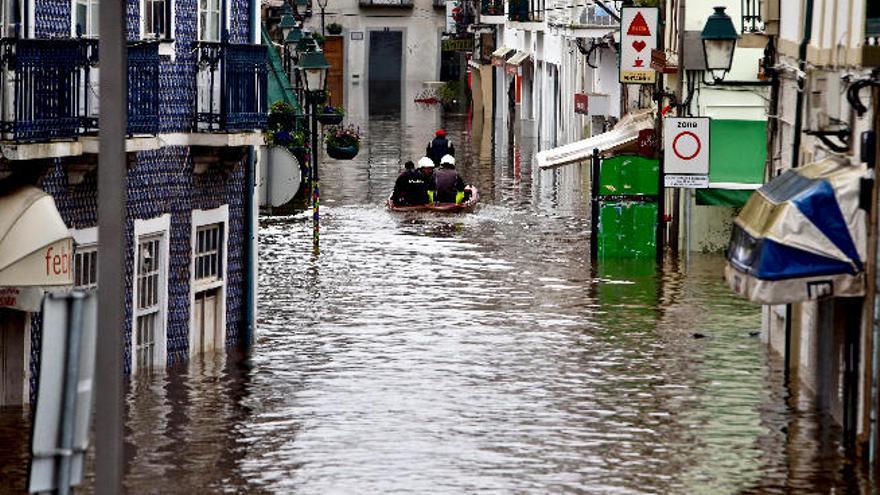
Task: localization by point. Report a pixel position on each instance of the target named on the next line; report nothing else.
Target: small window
(208, 250)
(85, 267)
(157, 19)
(85, 20)
(209, 20)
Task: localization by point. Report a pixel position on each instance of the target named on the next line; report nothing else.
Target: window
(148, 323)
(85, 18)
(157, 19)
(209, 20)
(209, 240)
(85, 267)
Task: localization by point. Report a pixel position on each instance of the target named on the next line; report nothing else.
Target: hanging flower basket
(342, 152)
(343, 143)
(330, 118)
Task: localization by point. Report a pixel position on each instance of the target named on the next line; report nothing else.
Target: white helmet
(425, 162)
(447, 159)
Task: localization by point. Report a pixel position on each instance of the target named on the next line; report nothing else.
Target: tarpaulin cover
(801, 236)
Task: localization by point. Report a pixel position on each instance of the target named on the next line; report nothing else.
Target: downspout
(796, 146)
(250, 237)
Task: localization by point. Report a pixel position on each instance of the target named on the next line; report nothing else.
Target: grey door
(385, 69)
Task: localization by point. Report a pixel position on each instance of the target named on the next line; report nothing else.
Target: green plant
(281, 116)
(319, 38)
(449, 92)
(330, 109)
(334, 28)
(340, 136)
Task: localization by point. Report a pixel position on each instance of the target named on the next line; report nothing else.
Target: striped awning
(801, 236)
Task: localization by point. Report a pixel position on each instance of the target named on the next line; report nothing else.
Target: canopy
(801, 236)
(36, 248)
(625, 132)
(501, 52)
(518, 59)
(279, 88)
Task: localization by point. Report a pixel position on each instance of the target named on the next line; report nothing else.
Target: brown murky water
(473, 354)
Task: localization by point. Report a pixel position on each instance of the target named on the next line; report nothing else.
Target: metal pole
(71, 382)
(112, 193)
(595, 164)
(322, 22)
(316, 189)
(658, 133)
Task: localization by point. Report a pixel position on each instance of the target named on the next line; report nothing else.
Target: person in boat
(450, 185)
(401, 185)
(426, 168)
(439, 147)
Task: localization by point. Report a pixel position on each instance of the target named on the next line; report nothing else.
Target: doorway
(13, 375)
(385, 72)
(206, 331)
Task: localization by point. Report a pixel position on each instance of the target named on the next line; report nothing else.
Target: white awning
(501, 52)
(625, 132)
(36, 248)
(519, 58)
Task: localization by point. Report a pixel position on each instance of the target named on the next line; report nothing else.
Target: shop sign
(581, 103)
(638, 39)
(21, 298)
(686, 145)
(49, 266)
(458, 45)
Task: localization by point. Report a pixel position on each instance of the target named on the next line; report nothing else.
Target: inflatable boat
(468, 205)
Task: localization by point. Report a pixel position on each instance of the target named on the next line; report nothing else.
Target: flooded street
(475, 353)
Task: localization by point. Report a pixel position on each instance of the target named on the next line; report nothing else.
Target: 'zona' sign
(686, 145)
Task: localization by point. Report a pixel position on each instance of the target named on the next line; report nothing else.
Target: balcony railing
(492, 7)
(386, 3)
(231, 87)
(751, 16)
(526, 10)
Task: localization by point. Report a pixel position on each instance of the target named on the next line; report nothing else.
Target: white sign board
(49, 414)
(686, 145)
(686, 181)
(638, 36)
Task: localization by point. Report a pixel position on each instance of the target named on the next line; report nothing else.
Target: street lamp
(719, 42)
(287, 24)
(291, 42)
(314, 66)
(323, 5)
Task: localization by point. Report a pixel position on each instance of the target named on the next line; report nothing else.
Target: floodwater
(475, 353)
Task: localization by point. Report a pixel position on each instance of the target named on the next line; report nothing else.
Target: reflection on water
(476, 353)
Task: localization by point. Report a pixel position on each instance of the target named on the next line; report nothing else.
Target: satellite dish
(284, 176)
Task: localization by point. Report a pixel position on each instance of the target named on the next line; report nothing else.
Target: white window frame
(90, 4)
(84, 240)
(167, 44)
(220, 12)
(160, 226)
(201, 218)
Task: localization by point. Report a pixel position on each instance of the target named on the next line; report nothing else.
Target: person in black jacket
(414, 187)
(439, 147)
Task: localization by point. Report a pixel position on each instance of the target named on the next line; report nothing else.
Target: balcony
(492, 7)
(231, 87)
(406, 4)
(526, 11)
(751, 16)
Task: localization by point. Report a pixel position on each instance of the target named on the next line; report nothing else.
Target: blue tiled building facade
(168, 179)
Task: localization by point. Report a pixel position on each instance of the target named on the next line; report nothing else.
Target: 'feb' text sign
(638, 37)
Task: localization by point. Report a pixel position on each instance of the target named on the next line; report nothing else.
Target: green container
(629, 175)
(627, 229)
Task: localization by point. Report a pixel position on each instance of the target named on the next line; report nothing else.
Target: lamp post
(719, 42)
(291, 42)
(287, 23)
(313, 66)
(323, 5)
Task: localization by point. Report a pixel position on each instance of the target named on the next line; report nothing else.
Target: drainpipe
(796, 145)
(250, 213)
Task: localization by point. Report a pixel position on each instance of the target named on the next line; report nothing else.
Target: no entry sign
(686, 145)
(638, 38)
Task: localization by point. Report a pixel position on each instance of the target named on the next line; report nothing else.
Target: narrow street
(475, 354)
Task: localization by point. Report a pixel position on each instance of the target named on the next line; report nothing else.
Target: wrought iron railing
(751, 16)
(39, 97)
(492, 7)
(526, 10)
(231, 87)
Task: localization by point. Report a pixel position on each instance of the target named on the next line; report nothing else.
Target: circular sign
(688, 148)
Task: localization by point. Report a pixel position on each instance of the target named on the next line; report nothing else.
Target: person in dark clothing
(450, 185)
(414, 187)
(439, 147)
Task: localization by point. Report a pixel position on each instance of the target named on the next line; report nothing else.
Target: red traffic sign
(686, 145)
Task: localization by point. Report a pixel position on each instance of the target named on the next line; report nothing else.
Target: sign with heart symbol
(638, 37)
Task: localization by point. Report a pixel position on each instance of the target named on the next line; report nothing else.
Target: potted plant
(319, 38)
(283, 129)
(334, 28)
(331, 115)
(343, 143)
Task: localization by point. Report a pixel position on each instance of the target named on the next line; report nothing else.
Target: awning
(518, 59)
(801, 237)
(35, 245)
(624, 133)
(501, 52)
(738, 154)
